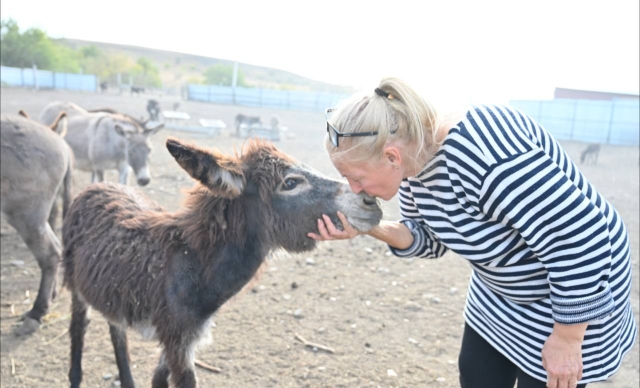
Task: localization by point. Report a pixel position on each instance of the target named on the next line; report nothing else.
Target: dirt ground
(380, 314)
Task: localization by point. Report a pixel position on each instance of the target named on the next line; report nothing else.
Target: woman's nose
(355, 188)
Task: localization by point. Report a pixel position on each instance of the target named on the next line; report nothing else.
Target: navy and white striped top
(543, 244)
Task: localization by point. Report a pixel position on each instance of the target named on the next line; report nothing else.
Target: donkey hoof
(29, 326)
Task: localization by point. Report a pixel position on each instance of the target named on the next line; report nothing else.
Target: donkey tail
(67, 187)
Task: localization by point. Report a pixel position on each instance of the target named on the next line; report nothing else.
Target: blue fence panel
(611, 122)
(11, 76)
(265, 98)
(45, 79)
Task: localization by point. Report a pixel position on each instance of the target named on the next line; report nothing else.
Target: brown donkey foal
(165, 274)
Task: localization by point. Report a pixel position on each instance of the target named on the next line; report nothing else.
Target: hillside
(177, 69)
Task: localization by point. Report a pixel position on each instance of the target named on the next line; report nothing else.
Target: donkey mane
(206, 219)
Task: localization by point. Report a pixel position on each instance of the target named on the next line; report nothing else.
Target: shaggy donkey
(165, 274)
(35, 167)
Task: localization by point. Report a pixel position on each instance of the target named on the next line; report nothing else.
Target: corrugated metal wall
(606, 122)
(47, 79)
(264, 98)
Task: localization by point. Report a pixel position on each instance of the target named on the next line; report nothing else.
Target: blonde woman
(549, 298)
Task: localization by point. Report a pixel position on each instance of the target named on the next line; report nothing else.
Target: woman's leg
(526, 381)
(482, 366)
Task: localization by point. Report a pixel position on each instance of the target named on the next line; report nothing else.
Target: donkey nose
(369, 200)
(143, 181)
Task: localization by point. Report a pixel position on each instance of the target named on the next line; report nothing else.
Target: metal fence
(264, 98)
(44, 79)
(592, 121)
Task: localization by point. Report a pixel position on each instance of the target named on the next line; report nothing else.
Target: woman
(549, 298)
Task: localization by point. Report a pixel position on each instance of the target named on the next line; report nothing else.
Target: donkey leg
(45, 246)
(119, 340)
(181, 367)
(161, 374)
(79, 322)
(123, 174)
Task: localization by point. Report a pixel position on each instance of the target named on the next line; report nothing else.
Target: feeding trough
(178, 121)
(259, 131)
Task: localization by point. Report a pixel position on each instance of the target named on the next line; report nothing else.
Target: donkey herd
(162, 273)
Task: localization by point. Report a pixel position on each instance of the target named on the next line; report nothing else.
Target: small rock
(367, 345)
(310, 261)
(298, 313)
(286, 296)
(391, 373)
(294, 285)
(262, 288)
(441, 379)
(107, 376)
(116, 383)
(368, 250)
(435, 300)
(332, 299)
(17, 263)
(451, 362)
(412, 306)
(254, 290)
(354, 326)
(388, 253)
(321, 368)
(367, 302)
(412, 341)
(321, 330)
(453, 290)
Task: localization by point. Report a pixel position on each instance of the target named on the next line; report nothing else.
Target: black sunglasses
(335, 135)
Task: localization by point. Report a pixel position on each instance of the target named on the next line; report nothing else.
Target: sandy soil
(378, 312)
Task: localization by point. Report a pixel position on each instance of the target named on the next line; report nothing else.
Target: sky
(452, 51)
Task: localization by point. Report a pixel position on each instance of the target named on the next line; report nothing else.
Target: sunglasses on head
(335, 135)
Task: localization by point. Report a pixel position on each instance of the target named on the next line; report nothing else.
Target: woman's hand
(562, 355)
(328, 231)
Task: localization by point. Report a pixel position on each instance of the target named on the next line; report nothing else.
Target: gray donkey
(35, 166)
(103, 141)
(166, 274)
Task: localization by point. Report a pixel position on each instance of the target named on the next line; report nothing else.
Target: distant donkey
(102, 141)
(590, 154)
(154, 109)
(35, 167)
(166, 274)
(248, 120)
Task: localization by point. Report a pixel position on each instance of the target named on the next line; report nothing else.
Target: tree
(220, 74)
(33, 47)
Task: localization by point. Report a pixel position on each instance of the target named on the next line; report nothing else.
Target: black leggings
(481, 366)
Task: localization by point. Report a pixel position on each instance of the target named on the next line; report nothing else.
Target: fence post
(53, 76)
(613, 104)
(261, 106)
(35, 76)
(22, 77)
(288, 97)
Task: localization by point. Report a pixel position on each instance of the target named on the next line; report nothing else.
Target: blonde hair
(402, 118)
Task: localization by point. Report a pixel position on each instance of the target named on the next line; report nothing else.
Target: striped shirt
(544, 246)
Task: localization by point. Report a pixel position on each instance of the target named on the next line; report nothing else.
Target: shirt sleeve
(425, 245)
(564, 229)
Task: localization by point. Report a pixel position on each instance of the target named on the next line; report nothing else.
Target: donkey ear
(152, 131)
(221, 174)
(122, 132)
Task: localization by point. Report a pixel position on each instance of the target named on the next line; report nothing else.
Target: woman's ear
(392, 155)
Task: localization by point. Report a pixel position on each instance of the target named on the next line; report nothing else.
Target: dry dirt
(378, 312)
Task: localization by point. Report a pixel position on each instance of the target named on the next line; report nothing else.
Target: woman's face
(380, 178)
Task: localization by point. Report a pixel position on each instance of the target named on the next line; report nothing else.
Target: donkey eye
(289, 184)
